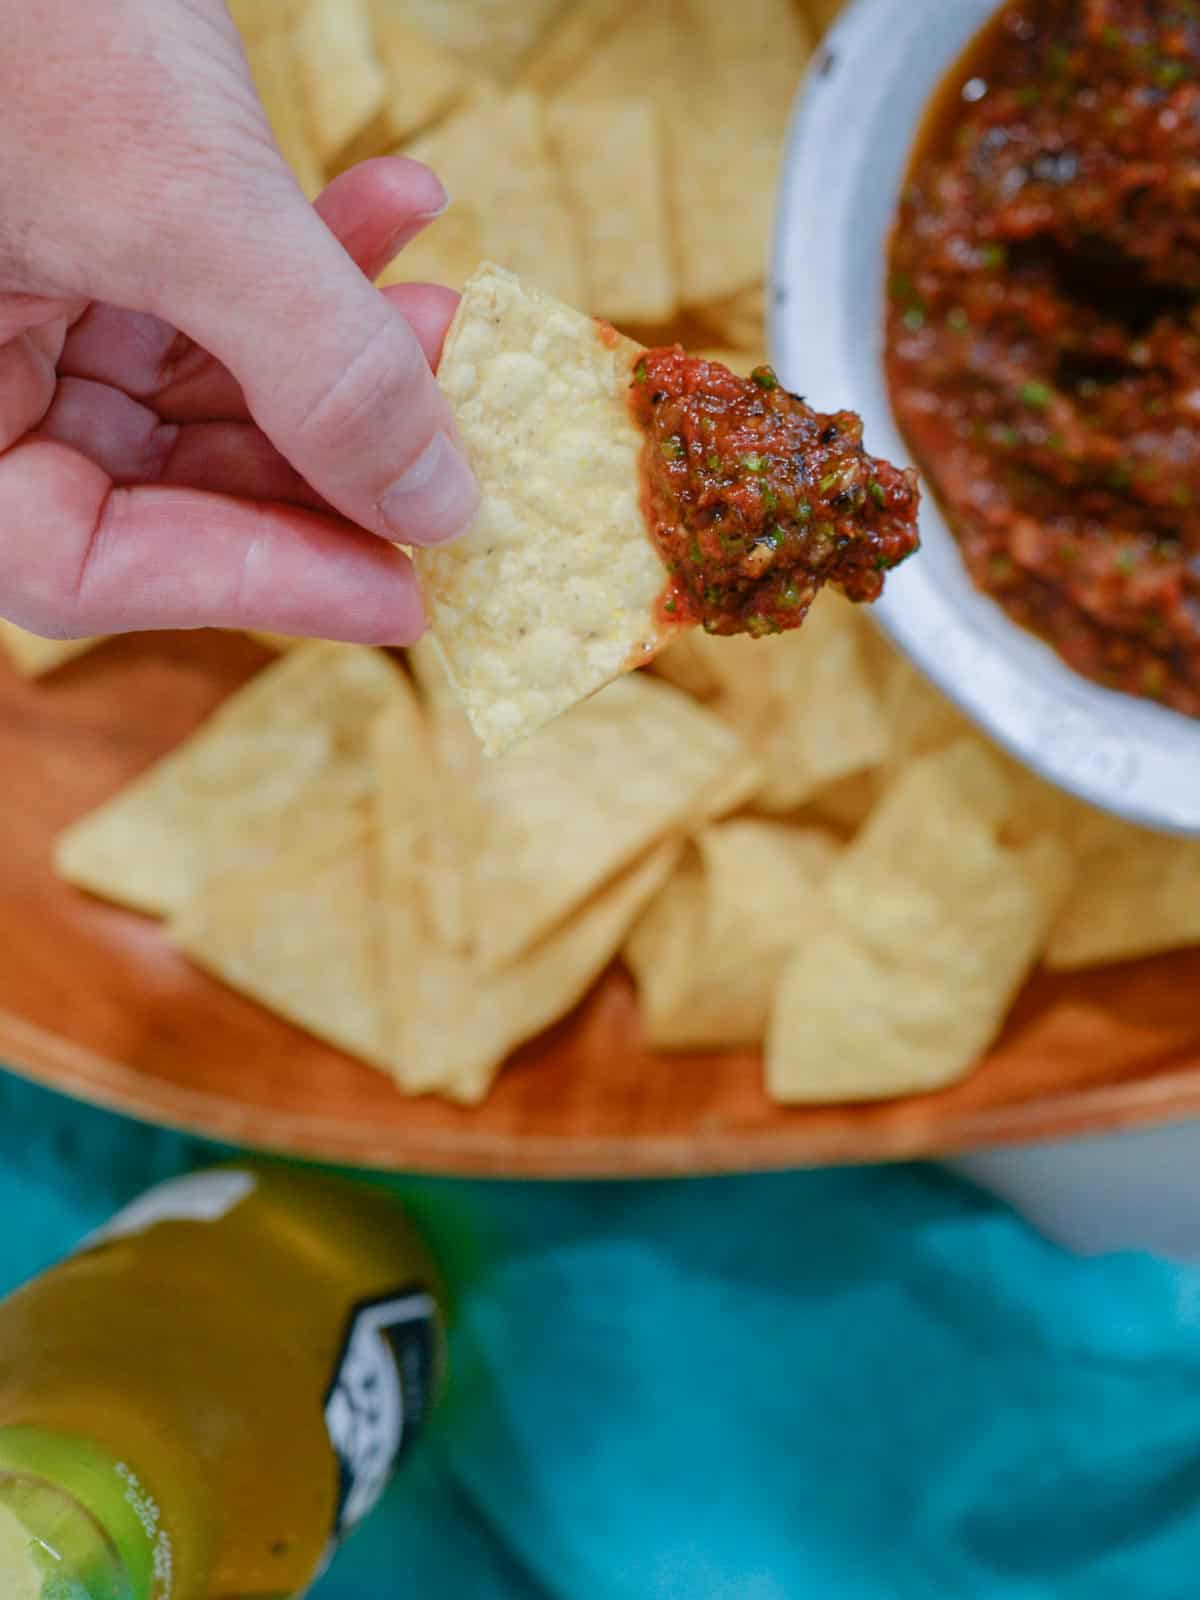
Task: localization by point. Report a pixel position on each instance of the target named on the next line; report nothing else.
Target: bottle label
(380, 1394)
(198, 1197)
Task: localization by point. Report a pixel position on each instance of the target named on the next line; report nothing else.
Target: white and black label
(379, 1396)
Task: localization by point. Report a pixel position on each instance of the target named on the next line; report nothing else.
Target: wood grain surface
(94, 1002)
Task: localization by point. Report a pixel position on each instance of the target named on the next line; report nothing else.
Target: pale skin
(208, 415)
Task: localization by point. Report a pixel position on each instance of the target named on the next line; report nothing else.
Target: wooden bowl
(95, 1003)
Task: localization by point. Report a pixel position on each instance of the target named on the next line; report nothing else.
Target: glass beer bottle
(211, 1393)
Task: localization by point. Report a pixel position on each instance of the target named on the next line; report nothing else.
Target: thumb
(331, 371)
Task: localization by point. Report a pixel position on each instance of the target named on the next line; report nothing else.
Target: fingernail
(434, 500)
(436, 204)
(432, 212)
(413, 224)
(435, 199)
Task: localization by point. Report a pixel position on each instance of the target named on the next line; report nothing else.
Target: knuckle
(382, 379)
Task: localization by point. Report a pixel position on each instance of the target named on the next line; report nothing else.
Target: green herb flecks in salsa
(755, 501)
(1044, 329)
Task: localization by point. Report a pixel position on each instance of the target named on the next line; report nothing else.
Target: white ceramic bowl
(848, 148)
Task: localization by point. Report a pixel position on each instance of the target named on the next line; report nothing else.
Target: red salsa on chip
(755, 501)
(1044, 329)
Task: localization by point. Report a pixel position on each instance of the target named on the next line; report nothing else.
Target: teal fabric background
(857, 1385)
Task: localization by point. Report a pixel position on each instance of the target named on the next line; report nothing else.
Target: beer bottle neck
(75, 1524)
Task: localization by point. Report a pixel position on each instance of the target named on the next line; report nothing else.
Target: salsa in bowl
(986, 241)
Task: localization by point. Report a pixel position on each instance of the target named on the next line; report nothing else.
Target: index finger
(83, 557)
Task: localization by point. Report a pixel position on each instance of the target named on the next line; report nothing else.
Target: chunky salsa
(754, 500)
(1044, 329)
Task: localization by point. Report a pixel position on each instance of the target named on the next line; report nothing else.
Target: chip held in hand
(629, 494)
(554, 589)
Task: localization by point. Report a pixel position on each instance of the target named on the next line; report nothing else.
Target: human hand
(201, 392)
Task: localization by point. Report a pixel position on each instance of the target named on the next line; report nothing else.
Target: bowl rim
(1122, 754)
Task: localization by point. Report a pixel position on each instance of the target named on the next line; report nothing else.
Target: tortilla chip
(275, 66)
(423, 83)
(926, 929)
(213, 805)
(964, 785)
(449, 1023)
(490, 36)
(687, 664)
(1136, 894)
(823, 13)
(738, 788)
(709, 950)
(741, 320)
(406, 793)
(828, 721)
(741, 361)
(569, 43)
(455, 754)
(574, 805)
(553, 591)
(743, 61)
(452, 1026)
(253, 18)
(340, 82)
(843, 805)
(661, 945)
(450, 248)
(299, 935)
(752, 58)
(508, 205)
(32, 655)
(279, 642)
(639, 50)
(920, 719)
(808, 703)
(611, 157)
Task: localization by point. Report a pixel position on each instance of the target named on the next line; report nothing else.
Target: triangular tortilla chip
(611, 156)
(574, 805)
(423, 83)
(569, 43)
(809, 703)
(709, 950)
(212, 805)
(340, 83)
(918, 941)
(300, 935)
(493, 36)
(452, 1022)
(553, 591)
(253, 18)
(452, 1026)
(747, 62)
(456, 758)
(741, 320)
(1136, 893)
(275, 67)
(508, 203)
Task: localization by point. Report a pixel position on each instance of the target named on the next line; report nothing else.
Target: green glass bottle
(207, 1397)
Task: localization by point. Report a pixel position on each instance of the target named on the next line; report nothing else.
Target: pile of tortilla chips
(333, 843)
(619, 155)
(792, 842)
